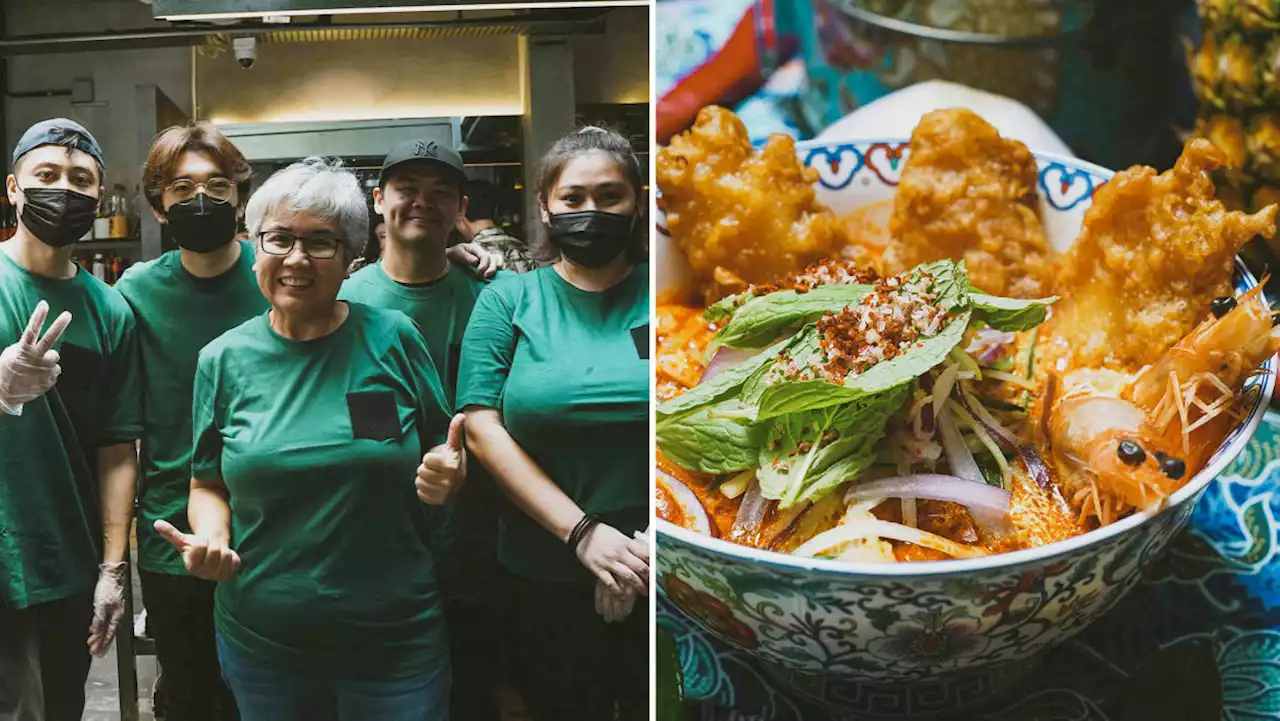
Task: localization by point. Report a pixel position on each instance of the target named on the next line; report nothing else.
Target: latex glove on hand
(615, 560)
(474, 256)
(203, 558)
(29, 368)
(108, 606)
(614, 607)
(444, 468)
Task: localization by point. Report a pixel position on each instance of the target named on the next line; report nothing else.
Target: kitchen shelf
(87, 245)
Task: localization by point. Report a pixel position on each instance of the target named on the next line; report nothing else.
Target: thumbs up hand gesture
(204, 558)
(444, 468)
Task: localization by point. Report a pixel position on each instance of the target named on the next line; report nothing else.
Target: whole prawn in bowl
(929, 407)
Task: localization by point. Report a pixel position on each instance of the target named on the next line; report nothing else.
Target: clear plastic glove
(108, 606)
(485, 263)
(444, 468)
(202, 557)
(615, 560)
(29, 368)
(614, 607)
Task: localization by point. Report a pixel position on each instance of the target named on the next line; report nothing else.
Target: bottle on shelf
(102, 224)
(136, 206)
(6, 232)
(118, 209)
(99, 267)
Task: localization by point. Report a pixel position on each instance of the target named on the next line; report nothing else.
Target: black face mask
(591, 238)
(57, 216)
(201, 224)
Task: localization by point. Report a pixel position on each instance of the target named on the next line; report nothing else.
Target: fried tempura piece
(741, 216)
(968, 194)
(1153, 252)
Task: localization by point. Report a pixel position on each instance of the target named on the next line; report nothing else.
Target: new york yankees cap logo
(426, 149)
(420, 150)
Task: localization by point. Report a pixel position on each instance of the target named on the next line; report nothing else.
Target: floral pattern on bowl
(903, 622)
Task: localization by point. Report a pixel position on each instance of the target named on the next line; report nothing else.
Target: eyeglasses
(282, 242)
(219, 188)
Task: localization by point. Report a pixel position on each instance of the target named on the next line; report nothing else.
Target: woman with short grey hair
(314, 425)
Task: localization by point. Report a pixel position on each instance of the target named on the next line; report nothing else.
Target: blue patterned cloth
(1198, 639)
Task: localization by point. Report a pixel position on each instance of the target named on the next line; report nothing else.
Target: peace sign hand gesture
(29, 368)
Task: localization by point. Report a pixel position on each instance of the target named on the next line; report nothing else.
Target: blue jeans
(264, 693)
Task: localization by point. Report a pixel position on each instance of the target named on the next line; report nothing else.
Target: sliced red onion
(987, 504)
(1003, 436)
(750, 513)
(1035, 466)
(724, 358)
(988, 344)
(959, 456)
(698, 520)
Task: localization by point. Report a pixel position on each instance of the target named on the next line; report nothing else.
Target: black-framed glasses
(184, 189)
(282, 242)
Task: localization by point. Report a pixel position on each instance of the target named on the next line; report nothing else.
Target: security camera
(246, 50)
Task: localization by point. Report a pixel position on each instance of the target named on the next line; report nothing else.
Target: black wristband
(579, 530)
(583, 527)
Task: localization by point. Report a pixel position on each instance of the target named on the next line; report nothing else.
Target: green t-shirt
(464, 529)
(318, 443)
(177, 314)
(50, 513)
(569, 371)
(440, 308)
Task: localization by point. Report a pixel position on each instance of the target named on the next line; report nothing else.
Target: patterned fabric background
(1199, 639)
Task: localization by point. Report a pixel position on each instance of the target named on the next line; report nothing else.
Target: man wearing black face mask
(67, 465)
(183, 300)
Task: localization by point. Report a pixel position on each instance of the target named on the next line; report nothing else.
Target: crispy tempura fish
(968, 194)
(741, 215)
(1153, 252)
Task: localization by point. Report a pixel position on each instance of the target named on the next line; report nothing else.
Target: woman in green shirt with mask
(313, 424)
(555, 383)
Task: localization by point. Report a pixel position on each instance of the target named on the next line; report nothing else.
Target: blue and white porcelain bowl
(930, 621)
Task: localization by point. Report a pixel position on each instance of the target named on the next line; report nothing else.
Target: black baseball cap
(425, 151)
(56, 132)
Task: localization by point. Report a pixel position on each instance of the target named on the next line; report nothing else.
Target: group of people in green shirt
(382, 496)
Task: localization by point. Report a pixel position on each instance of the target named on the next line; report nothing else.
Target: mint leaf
(723, 308)
(718, 439)
(724, 385)
(914, 362)
(1010, 314)
(801, 350)
(950, 282)
(762, 318)
(808, 454)
(797, 396)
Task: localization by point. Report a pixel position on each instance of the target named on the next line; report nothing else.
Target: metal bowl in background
(1107, 75)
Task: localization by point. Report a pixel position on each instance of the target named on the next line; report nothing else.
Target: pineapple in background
(1235, 74)
(1236, 77)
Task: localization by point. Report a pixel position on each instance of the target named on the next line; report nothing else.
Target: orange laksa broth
(1038, 514)
(927, 377)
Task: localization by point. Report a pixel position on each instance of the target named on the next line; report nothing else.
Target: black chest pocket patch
(373, 415)
(640, 336)
(79, 367)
